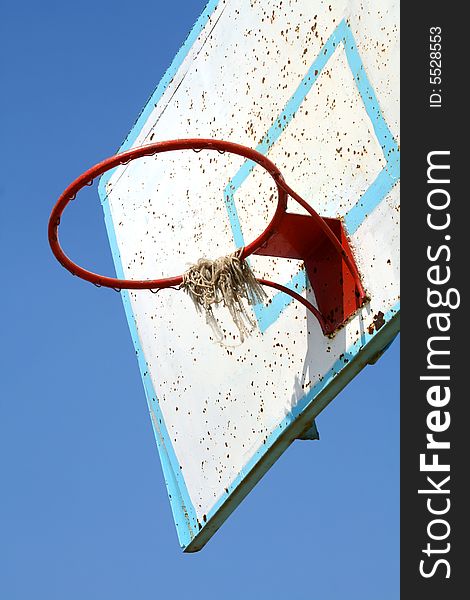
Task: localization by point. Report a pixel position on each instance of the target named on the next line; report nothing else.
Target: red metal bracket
(301, 237)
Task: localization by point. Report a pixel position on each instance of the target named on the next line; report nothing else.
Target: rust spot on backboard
(378, 322)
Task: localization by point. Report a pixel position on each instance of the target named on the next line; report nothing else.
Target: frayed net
(228, 281)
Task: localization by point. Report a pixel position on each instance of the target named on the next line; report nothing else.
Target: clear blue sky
(83, 507)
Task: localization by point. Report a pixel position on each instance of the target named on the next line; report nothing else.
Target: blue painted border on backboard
(183, 510)
(192, 535)
(361, 353)
(167, 78)
(374, 194)
(184, 513)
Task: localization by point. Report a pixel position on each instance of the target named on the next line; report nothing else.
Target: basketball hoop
(321, 243)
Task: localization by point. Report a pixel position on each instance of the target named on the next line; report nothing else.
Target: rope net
(229, 281)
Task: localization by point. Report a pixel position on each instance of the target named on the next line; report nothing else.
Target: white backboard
(314, 86)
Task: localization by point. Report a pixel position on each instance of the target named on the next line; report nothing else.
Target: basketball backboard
(315, 87)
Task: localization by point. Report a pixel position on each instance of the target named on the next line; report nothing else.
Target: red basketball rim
(125, 157)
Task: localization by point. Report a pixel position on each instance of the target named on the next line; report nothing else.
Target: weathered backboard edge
(192, 534)
(283, 436)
